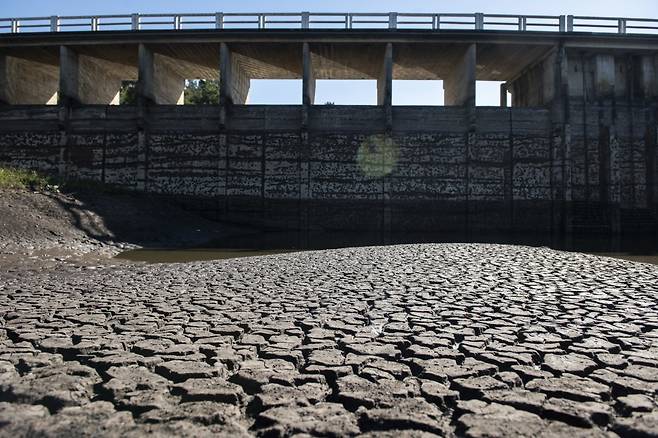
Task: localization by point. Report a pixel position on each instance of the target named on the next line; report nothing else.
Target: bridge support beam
(648, 82)
(233, 80)
(385, 79)
(27, 81)
(308, 77)
(159, 83)
(89, 79)
(503, 95)
(459, 86)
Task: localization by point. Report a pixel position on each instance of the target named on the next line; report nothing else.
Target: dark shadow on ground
(139, 219)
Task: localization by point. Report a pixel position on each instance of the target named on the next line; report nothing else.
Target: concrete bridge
(576, 149)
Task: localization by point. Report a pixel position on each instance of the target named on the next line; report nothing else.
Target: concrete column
(503, 95)
(308, 76)
(385, 80)
(233, 81)
(459, 86)
(604, 75)
(648, 83)
(4, 81)
(27, 81)
(561, 140)
(158, 82)
(69, 68)
(550, 68)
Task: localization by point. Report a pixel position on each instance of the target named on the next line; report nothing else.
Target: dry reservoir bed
(446, 339)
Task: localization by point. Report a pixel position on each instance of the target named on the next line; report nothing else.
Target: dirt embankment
(94, 224)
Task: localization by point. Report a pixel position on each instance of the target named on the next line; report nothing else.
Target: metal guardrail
(308, 20)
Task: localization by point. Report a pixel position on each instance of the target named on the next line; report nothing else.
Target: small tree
(197, 92)
(128, 93)
(202, 92)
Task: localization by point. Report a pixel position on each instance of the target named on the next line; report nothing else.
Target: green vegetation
(201, 92)
(128, 93)
(12, 178)
(197, 92)
(25, 179)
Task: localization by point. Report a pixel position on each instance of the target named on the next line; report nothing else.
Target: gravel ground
(102, 223)
(411, 340)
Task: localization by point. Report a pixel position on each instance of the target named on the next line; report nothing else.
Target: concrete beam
(68, 75)
(89, 79)
(604, 75)
(27, 82)
(158, 81)
(308, 76)
(385, 79)
(233, 80)
(459, 85)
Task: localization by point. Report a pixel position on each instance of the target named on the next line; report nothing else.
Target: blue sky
(340, 92)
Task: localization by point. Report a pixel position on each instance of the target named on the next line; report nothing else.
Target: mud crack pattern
(413, 340)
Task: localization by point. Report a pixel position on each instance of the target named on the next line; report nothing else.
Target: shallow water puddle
(193, 254)
(258, 244)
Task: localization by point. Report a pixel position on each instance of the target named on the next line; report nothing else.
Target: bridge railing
(332, 20)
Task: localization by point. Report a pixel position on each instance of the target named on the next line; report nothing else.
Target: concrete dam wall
(437, 168)
(576, 151)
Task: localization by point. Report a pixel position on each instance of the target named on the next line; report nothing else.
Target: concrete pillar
(27, 81)
(648, 83)
(4, 80)
(459, 86)
(308, 77)
(90, 80)
(604, 75)
(385, 80)
(233, 80)
(69, 69)
(503, 95)
(550, 69)
(158, 82)
(561, 190)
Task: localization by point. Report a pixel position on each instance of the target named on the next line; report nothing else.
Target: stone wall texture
(345, 167)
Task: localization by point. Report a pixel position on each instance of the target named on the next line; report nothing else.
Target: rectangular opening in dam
(346, 92)
(487, 93)
(418, 92)
(275, 92)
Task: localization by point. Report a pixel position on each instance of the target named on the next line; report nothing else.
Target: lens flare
(377, 156)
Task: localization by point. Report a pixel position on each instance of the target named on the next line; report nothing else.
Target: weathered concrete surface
(452, 339)
(43, 86)
(159, 82)
(436, 168)
(459, 85)
(92, 76)
(577, 150)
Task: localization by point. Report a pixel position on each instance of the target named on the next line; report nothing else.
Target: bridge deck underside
(330, 60)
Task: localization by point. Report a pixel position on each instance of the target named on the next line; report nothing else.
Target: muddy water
(164, 255)
(636, 248)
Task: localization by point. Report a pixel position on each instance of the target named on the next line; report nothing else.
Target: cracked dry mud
(413, 340)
